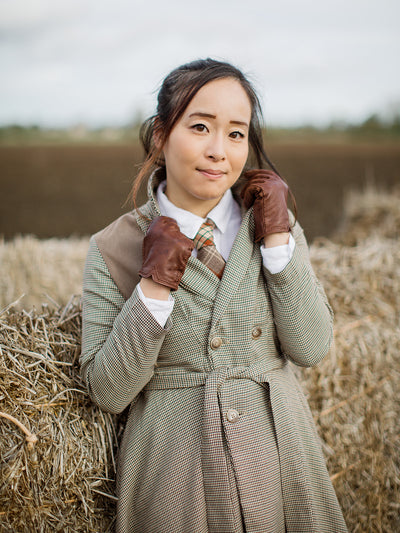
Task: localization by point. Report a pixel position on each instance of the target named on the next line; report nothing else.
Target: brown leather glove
(165, 252)
(267, 193)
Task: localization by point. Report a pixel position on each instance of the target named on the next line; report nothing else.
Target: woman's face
(208, 146)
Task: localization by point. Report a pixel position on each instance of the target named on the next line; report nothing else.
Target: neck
(201, 208)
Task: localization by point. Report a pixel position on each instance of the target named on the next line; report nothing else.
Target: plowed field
(75, 190)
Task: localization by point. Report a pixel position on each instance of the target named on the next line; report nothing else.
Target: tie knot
(205, 237)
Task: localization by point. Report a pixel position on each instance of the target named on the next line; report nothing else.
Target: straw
(61, 479)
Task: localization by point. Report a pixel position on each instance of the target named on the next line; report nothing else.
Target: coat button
(232, 415)
(256, 332)
(216, 342)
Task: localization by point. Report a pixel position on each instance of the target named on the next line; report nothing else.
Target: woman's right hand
(165, 252)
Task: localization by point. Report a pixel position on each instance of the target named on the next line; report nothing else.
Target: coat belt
(274, 374)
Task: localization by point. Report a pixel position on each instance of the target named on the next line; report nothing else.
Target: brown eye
(201, 128)
(236, 135)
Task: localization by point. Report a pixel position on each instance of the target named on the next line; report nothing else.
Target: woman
(192, 307)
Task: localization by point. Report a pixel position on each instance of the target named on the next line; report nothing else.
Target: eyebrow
(209, 115)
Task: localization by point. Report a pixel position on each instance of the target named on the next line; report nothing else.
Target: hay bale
(370, 213)
(59, 482)
(353, 393)
(40, 269)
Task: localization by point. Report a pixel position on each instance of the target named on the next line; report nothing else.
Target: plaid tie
(207, 252)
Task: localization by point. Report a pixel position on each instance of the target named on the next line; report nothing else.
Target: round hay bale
(64, 481)
(370, 213)
(353, 393)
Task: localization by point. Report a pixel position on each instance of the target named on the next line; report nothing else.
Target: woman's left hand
(267, 193)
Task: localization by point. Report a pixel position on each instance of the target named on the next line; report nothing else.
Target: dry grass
(372, 214)
(53, 478)
(40, 268)
(353, 393)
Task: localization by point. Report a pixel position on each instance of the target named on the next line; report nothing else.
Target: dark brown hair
(175, 94)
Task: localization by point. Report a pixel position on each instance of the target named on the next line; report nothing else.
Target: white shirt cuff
(160, 309)
(275, 259)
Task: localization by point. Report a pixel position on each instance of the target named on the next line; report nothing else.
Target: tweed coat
(219, 436)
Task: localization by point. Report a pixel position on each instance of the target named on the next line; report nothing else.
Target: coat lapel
(236, 266)
(198, 278)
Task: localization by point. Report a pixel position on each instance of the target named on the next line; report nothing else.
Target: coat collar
(197, 277)
(151, 209)
(147, 212)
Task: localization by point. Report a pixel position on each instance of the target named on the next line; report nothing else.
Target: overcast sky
(99, 62)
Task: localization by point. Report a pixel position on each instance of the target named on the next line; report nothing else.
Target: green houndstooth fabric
(207, 252)
(219, 437)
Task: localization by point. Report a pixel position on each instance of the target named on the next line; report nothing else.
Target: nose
(215, 148)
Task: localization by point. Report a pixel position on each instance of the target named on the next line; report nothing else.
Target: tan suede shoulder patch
(120, 245)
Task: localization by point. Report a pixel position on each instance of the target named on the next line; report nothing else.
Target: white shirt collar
(190, 223)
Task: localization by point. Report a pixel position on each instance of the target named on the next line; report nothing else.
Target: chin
(212, 191)
(210, 197)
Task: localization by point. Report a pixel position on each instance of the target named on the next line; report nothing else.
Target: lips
(211, 172)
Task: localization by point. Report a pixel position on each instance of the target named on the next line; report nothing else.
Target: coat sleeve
(120, 340)
(302, 314)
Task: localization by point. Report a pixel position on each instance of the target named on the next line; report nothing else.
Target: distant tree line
(376, 125)
(373, 127)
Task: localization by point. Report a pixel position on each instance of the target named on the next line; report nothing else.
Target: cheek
(240, 157)
(188, 150)
(177, 148)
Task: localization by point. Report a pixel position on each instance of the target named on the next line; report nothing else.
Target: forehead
(222, 98)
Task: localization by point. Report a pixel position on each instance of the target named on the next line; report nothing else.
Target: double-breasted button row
(232, 415)
(216, 342)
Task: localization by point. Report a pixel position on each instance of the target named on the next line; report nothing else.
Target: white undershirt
(227, 218)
